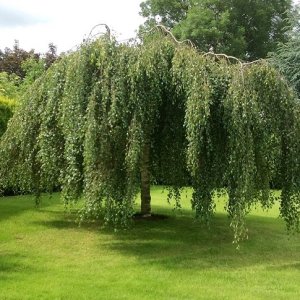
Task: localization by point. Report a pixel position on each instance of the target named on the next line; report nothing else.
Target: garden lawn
(45, 255)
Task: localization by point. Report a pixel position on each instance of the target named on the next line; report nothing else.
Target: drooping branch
(162, 28)
(90, 36)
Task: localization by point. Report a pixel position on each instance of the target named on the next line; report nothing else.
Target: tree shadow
(68, 219)
(16, 205)
(180, 241)
(11, 264)
(283, 267)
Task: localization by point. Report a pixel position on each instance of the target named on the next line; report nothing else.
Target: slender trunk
(145, 181)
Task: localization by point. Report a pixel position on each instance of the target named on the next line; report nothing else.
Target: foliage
(244, 28)
(286, 58)
(9, 85)
(11, 59)
(86, 122)
(33, 69)
(20, 68)
(6, 111)
(51, 55)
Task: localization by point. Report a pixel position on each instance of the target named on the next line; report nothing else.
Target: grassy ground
(45, 255)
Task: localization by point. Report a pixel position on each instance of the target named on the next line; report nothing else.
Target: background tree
(33, 69)
(248, 29)
(51, 55)
(11, 59)
(20, 68)
(286, 57)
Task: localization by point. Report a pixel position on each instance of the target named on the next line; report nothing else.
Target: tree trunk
(145, 181)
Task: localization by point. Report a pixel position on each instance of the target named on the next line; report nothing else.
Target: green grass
(45, 255)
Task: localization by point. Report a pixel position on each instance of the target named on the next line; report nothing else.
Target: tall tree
(248, 29)
(286, 57)
(100, 119)
(51, 55)
(11, 59)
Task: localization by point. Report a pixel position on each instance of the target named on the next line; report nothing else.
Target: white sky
(36, 23)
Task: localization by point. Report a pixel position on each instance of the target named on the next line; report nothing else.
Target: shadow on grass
(283, 267)
(59, 224)
(16, 205)
(63, 220)
(181, 242)
(11, 264)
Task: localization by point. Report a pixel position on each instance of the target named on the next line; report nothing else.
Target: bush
(9, 85)
(6, 111)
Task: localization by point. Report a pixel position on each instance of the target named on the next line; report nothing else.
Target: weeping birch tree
(104, 118)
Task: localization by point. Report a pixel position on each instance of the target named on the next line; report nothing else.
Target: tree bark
(145, 181)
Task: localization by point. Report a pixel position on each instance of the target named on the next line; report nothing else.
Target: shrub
(6, 111)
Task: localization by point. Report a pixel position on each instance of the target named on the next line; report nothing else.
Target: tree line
(18, 70)
(247, 29)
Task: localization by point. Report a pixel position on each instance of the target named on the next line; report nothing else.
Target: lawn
(45, 255)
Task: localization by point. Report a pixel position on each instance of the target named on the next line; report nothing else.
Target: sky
(36, 23)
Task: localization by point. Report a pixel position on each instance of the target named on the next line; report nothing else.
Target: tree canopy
(12, 60)
(20, 68)
(286, 57)
(101, 119)
(248, 29)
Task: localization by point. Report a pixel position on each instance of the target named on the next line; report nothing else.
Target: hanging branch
(186, 41)
(217, 55)
(230, 58)
(90, 36)
(108, 31)
(164, 29)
